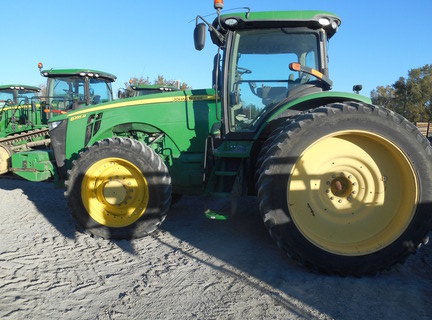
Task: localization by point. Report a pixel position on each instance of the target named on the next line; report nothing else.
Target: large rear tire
(347, 189)
(119, 188)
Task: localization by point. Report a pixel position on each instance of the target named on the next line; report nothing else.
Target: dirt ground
(192, 268)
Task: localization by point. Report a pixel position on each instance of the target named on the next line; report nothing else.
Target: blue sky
(378, 41)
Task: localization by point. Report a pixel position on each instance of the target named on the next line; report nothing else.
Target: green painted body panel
(52, 73)
(284, 19)
(16, 112)
(281, 15)
(15, 119)
(186, 119)
(33, 165)
(320, 98)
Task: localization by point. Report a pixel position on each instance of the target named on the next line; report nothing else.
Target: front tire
(347, 189)
(119, 189)
(5, 158)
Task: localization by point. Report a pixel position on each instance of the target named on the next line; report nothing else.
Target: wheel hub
(341, 186)
(114, 192)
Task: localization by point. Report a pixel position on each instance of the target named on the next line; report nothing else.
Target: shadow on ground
(245, 246)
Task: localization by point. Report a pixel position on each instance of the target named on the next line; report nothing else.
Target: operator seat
(270, 95)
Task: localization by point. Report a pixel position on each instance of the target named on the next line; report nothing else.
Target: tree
(160, 80)
(175, 83)
(136, 81)
(383, 96)
(43, 91)
(411, 97)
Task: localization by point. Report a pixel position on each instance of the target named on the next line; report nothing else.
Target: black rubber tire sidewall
(154, 171)
(307, 129)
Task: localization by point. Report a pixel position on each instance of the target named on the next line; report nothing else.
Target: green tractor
(16, 113)
(344, 187)
(16, 94)
(24, 116)
(19, 118)
(70, 89)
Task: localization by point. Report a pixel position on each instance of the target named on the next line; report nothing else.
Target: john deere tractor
(69, 89)
(16, 113)
(15, 94)
(19, 118)
(24, 115)
(344, 187)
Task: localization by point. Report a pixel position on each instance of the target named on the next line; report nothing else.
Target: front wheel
(347, 189)
(119, 188)
(5, 158)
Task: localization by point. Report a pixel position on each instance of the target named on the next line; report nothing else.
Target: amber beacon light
(218, 4)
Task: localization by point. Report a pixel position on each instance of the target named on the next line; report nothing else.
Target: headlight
(54, 124)
(324, 21)
(231, 22)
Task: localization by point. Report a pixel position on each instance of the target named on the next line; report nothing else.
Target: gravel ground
(192, 268)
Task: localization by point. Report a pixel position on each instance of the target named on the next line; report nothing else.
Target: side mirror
(199, 36)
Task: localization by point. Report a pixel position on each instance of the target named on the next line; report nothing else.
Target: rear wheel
(347, 189)
(119, 188)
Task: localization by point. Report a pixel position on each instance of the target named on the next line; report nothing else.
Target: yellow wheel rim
(114, 192)
(4, 159)
(352, 193)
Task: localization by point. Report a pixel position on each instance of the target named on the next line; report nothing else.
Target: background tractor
(144, 89)
(344, 187)
(24, 115)
(19, 115)
(16, 113)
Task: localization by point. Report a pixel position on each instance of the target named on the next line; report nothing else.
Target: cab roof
(19, 87)
(281, 19)
(51, 73)
(160, 87)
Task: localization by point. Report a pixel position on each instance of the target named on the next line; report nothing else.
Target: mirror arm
(212, 29)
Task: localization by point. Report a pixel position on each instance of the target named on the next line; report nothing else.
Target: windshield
(259, 74)
(25, 95)
(16, 96)
(71, 92)
(66, 92)
(6, 95)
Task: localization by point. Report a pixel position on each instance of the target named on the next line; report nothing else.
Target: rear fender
(305, 103)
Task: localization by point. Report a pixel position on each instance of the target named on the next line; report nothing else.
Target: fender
(308, 102)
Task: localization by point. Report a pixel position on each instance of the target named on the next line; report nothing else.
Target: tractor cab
(267, 59)
(16, 111)
(15, 94)
(144, 89)
(69, 89)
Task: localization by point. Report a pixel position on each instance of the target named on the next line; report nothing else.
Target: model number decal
(192, 98)
(80, 116)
